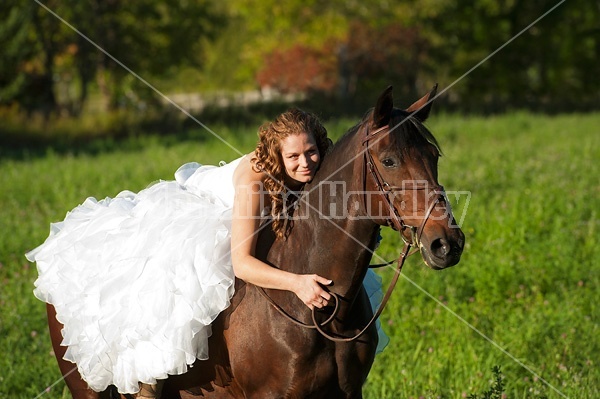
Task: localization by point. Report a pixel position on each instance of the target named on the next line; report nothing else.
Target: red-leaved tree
(367, 60)
(299, 69)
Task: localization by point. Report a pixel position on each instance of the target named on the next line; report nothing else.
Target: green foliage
(201, 45)
(16, 46)
(496, 391)
(528, 279)
(145, 36)
(549, 68)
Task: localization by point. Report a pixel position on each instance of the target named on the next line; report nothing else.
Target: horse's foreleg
(78, 387)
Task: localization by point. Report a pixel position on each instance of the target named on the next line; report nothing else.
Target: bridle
(385, 190)
(395, 221)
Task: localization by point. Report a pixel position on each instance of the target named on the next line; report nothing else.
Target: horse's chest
(310, 369)
(277, 358)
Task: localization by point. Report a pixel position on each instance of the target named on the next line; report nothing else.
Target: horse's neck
(341, 238)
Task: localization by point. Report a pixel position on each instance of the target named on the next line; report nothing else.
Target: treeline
(339, 51)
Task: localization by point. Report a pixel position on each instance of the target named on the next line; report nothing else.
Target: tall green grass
(528, 279)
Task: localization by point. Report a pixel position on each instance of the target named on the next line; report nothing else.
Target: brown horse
(381, 172)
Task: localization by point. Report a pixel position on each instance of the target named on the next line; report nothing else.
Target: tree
(299, 69)
(26, 66)
(376, 57)
(549, 67)
(313, 45)
(260, 28)
(350, 47)
(148, 36)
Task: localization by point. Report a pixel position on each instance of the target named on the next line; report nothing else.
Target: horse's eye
(388, 162)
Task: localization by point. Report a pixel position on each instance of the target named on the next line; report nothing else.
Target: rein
(319, 326)
(395, 221)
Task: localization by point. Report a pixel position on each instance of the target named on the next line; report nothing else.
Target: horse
(382, 172)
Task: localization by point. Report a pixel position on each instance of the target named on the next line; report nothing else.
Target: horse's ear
(422, 107)
(383, 109)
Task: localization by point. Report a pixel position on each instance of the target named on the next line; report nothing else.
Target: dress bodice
(216, 180)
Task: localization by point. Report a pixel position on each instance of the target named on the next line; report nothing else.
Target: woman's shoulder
(246, 173)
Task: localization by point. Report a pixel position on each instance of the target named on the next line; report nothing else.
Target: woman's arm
(249, 194)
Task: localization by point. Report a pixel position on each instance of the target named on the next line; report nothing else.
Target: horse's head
(401, 177)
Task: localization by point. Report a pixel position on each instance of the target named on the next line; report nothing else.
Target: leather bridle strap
(385, 190)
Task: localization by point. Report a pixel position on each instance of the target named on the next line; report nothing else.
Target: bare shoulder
(245, 173)
(250, 196)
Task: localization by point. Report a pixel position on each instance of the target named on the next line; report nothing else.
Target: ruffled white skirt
(138, 279)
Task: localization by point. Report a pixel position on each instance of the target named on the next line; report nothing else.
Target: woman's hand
(308, 288)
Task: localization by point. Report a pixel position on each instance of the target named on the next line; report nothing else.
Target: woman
(287, 156)
(137, 280)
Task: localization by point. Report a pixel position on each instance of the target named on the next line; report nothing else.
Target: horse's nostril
(440, 248)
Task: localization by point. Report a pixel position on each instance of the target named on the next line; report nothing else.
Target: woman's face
(300, 156)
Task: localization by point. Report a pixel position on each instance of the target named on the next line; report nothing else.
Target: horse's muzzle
(443, 251)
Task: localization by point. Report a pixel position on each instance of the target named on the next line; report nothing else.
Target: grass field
(524, 296)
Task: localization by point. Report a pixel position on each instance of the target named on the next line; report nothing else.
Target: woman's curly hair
(267, 158)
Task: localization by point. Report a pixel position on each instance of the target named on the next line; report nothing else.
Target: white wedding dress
(138, 279)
